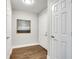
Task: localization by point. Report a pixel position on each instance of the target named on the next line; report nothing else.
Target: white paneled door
(61, 29)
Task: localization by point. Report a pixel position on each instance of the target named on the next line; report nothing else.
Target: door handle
(7, 37)
(52, 36)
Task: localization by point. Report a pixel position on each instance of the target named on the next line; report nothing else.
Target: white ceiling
(37, 7)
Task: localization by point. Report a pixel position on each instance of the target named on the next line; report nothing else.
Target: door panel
(56, 21)
(60, 29)
(63, 23)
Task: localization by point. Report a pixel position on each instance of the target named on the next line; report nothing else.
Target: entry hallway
(32, 52)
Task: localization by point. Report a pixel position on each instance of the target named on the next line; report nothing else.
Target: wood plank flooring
(32, 52)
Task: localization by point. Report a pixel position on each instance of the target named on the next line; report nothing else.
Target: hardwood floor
(32, 52)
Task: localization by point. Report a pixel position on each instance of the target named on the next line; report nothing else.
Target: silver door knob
(7, 37)
(52, 36)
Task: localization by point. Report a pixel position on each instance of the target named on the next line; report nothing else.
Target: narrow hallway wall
(43, 23)
(27, 38)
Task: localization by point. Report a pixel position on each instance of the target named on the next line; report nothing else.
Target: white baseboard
(8, 56)
(25, 45)
(43, 47)
(48, 57)
(10, 51)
